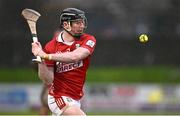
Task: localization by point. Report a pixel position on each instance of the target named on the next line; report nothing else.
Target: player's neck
(67, 37)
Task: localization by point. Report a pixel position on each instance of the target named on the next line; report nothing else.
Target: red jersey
(69, 78)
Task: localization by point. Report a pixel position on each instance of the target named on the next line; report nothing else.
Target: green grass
(20, 113)
(153, 74)
(31, 112)
(134, 74)
(13, 75)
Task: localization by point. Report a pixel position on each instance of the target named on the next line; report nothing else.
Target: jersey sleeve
(49, 49)
(89, 43)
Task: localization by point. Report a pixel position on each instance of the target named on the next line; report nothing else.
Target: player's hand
(37, 49)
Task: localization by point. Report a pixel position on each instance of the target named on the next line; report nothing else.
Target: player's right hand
(36, 48)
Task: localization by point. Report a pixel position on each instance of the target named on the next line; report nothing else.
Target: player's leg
(44, 109)
(73, 110)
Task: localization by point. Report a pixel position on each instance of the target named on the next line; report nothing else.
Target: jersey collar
(60, 39)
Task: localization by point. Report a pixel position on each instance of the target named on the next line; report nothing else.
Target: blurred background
(125, 76)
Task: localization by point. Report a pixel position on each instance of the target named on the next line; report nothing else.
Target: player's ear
(67, 25)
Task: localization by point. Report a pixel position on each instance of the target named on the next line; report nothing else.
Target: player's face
(77, 27)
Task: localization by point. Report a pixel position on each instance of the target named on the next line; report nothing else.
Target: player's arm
(74, 56)
(67, 57)
(46, 74)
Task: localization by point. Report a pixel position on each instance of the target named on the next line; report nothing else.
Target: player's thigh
(73, 110)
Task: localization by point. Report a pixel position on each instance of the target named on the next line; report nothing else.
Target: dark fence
(158, 51)
(116, 25)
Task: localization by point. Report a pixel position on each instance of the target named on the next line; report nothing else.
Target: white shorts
(58, 105)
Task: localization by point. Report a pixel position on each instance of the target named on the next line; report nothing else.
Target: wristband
(50, 57)
(47, 57)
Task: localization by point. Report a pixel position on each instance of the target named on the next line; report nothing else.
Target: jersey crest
(90, 43)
